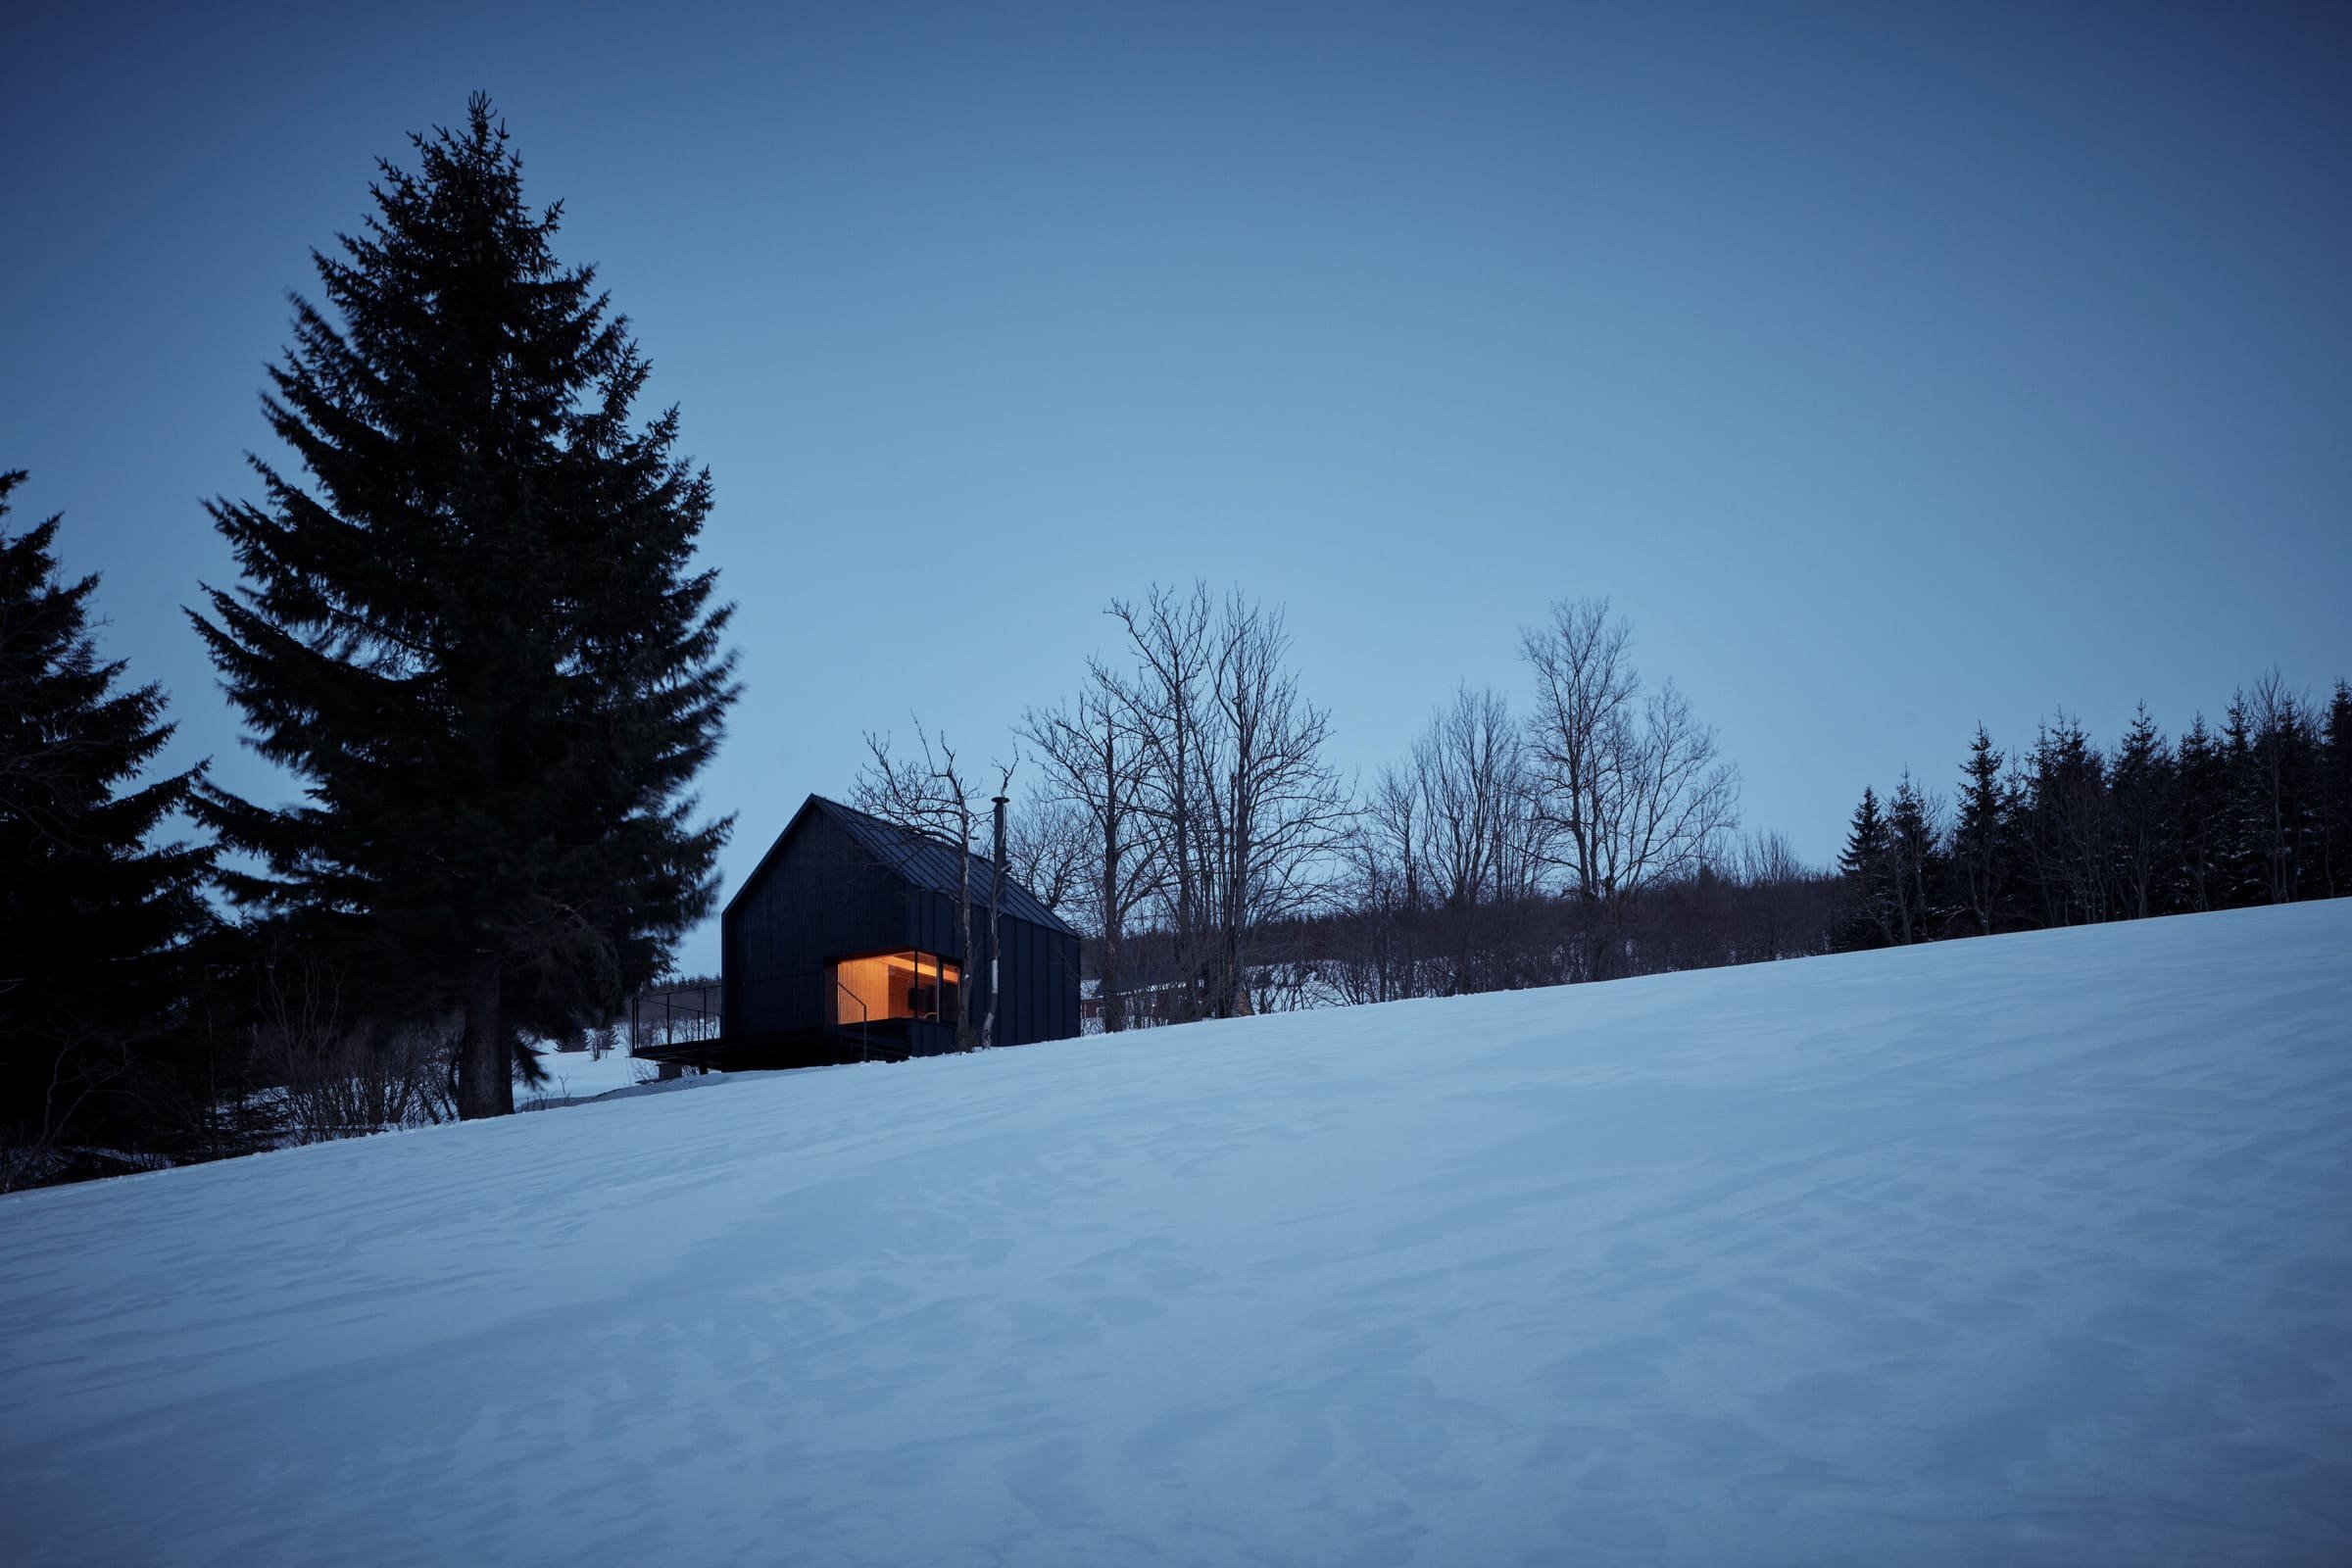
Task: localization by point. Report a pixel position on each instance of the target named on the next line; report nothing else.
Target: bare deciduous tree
(1047, 850)
(1449, 846)
(1274, 813)
(1788, 914)
(1245, 818)
(341, 1075)
(928, 794)
(1164, 711)
(1628, 786)
(1385, 959)
(1097, 761)
(81, 1063)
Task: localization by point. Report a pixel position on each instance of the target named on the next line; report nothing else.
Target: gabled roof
(921, 860)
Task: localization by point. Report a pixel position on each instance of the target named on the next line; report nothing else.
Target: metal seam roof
(932, 863)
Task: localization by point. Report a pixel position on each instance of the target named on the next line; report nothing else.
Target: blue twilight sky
(1894, 369)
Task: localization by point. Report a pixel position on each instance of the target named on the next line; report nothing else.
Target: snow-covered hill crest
(2026, 1250)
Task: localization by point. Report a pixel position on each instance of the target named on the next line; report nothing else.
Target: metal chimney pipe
(996, 902)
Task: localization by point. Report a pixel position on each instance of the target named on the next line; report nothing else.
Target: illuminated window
(894, 985)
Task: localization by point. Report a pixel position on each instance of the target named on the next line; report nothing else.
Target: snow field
(2034, 1250)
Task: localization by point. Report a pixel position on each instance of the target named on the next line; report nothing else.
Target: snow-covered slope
(2027, 1251)
(573, 1075)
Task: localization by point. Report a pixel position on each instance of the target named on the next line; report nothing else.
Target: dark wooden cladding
(839, 884)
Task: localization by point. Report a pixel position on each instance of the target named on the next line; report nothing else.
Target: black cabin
(845, 944)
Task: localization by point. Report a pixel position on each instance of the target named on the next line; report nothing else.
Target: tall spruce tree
(1914, 862)
(2241, 860)
(2202, 806)
(476, 636)
(1982, 864)
(2065, 824)
(2140, 819)
(94, 919)
(2286, 792)
(1866, 912)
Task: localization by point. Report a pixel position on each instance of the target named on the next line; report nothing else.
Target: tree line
(1182, 812)
(1185, 817)
(1188, 817)
(2259, 811)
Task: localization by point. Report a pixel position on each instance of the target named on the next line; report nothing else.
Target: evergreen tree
(476, 635)
(1981, 868)
(1914, 862)
(2201, 813)
(94, 921)
(1866, 918)
(2017, 828)
(2285, 793)
(2065, 824)
(2238, 851)
(2140, 820)
(2335, 856)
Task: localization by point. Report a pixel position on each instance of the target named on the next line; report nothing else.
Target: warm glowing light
(894, 985)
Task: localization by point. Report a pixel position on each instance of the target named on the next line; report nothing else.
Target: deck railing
(863, 1043)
